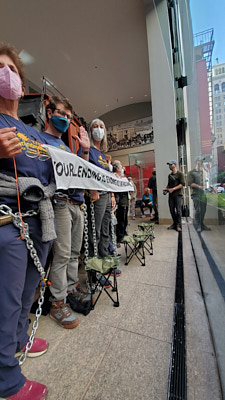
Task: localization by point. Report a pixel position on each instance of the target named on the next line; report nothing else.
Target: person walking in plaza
(69, 221)
(26, 186)
(152, 184)
(175, 189)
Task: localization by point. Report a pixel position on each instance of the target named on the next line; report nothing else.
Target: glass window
(216, 89)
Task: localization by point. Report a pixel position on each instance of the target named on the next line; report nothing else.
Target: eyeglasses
(64, 114)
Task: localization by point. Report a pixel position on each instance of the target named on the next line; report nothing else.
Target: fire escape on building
(203, 46)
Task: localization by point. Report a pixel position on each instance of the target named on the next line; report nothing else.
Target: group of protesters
(38, 218)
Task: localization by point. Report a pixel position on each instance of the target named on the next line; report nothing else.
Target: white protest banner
(72, 171)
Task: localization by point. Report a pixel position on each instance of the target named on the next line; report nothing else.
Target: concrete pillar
(162, 92)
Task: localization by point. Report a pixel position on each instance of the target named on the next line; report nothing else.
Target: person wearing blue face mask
(68, 206)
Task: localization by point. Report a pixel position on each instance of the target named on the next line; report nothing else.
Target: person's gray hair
(104, 143)
(116, 165)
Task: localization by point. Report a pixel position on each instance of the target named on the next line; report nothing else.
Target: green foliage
(221, 175)
(216, 199)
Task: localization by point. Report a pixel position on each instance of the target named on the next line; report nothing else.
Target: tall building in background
(218, 79)
(203, 48)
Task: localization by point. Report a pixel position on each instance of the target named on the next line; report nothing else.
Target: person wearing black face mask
(69, 222)
(175, 189)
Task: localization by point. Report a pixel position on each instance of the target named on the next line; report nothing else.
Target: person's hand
(83, 139)
(113, 202)
(170, 190)
(94, 195)
(9, 143)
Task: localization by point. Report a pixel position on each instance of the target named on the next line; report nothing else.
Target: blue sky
(208, 14)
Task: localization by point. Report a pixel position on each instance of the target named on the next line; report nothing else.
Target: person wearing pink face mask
(21, 156)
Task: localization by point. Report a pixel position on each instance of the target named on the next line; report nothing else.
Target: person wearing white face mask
(103, 201)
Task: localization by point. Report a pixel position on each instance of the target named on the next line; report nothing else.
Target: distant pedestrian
(152, 184)
(175, 189)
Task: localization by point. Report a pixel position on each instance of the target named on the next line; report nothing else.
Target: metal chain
(62, 195)
(86, 252)
(93, 228)
(4, 209)
(113, 232)
(86, 245)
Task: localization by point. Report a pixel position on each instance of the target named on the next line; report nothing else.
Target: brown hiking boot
(63, 315)
(81, 296)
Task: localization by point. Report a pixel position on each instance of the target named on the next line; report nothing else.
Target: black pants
(155, 207)
(148, 206)
(175, 209)
(200, 203)
(122, 221)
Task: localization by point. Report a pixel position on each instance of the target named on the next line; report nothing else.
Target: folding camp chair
(148, 229)
(141, 240)
(134, 246)
(99, 270)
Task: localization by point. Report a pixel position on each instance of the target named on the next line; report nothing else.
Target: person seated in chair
(146, 202)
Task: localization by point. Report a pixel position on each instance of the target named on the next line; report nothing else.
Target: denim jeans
(66, 249)
(102, 210)
(19, 279)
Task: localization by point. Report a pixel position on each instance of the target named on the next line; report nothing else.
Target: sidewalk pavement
(124, 353)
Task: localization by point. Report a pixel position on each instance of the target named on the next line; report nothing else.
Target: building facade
(218, 79)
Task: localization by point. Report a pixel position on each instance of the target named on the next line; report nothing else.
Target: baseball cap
(172, 162)
(199, 158)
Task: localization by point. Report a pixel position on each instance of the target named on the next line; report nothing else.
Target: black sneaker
(171, 227)
(205, 228)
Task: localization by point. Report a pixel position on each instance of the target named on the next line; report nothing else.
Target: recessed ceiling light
(107, 105)
(26, 57)
(146, 95)
(131, 97)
